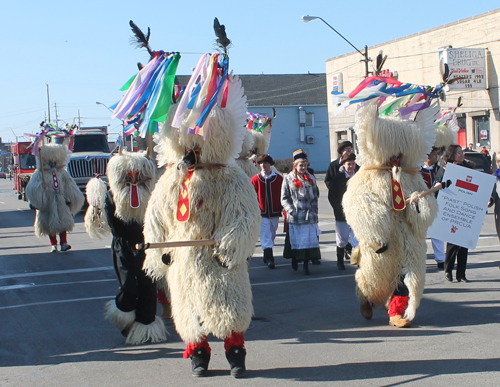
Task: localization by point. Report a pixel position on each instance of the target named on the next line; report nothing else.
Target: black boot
(199, 362)
(340, 258)
(236, 358)
(306, 267)
(269, 258)
(295, 265)
(265, 259)
(348, 251)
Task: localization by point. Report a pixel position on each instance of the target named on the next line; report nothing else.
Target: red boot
(397, 308)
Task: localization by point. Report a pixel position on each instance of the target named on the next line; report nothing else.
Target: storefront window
(482, 130)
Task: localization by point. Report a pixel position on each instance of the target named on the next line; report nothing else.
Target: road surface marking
(42, 273)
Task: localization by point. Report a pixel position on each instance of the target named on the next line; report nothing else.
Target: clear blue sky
(82, 49)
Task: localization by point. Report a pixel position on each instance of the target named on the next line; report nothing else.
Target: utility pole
(57, 118)
(366, 60)
(48, 100)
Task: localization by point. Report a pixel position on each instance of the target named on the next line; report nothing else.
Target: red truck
(23, 166)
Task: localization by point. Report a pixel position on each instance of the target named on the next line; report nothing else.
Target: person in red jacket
(267, 184)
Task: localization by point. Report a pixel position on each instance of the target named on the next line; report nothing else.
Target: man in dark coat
(343, 232)
(344, 148)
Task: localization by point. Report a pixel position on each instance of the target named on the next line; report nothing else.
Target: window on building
(482, 130)
(310, 119)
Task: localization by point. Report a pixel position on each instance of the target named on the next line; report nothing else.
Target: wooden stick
(41, 167)
(202, 242)
(437, 187)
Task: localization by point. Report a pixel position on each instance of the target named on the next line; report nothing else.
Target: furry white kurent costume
(121, 210)
(246, 159)
(207, 197)
(392, 248)
(261, 137)
(54, 194)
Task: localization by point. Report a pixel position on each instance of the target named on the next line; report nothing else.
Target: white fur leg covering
(140, 333)
(115, 316)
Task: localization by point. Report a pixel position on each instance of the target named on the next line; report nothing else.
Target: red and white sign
(462, 206)
(337, 84)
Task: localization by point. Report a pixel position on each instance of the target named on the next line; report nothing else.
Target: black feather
(446, 73)
(140, 40)
(379, 61)
(222, 39)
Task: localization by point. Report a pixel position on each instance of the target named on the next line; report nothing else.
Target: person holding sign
(429, 171)
(455, 155)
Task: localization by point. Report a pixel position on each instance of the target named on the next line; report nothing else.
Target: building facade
(300, 101)
(470, 46)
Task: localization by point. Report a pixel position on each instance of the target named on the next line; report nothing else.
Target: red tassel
(398, 305)
(235, 340)
(134, 196)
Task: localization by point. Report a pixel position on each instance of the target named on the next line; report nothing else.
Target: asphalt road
(306, 330)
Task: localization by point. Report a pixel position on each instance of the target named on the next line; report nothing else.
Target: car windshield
(481, 162)
(28, 161)
(91, 143)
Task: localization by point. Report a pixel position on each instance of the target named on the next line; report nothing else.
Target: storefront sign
(337, 83)
(468, 64)
(462, 206)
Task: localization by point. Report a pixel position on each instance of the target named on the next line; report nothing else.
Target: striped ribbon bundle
(208, 83)
(395, 98)
(148, 94)
(48, 130)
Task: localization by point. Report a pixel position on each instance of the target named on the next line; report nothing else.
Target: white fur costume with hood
(120, 211)
(255, 143)
(209, 286)
(53, 192)
(368, 206)
(246, 159)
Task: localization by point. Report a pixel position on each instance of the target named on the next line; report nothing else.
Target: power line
(284, 95)
(319, 78)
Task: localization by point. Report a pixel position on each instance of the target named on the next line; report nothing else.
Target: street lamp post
(308, 18)
(123, 126)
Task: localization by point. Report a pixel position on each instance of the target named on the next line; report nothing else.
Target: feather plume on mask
(222, 40)
(140, 40)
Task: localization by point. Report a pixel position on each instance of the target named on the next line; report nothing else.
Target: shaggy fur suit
(133, 311)
(209, 286)
(53, 192)
(369, 209)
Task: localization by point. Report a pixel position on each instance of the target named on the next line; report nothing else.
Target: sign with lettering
(466, 63)
(337, 85)
(462, 206)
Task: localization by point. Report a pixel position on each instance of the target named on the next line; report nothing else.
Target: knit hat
(343, 145)
(264, 158)
(349, 157)
(299, 155)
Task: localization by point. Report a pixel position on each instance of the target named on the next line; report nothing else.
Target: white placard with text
(462, 206)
